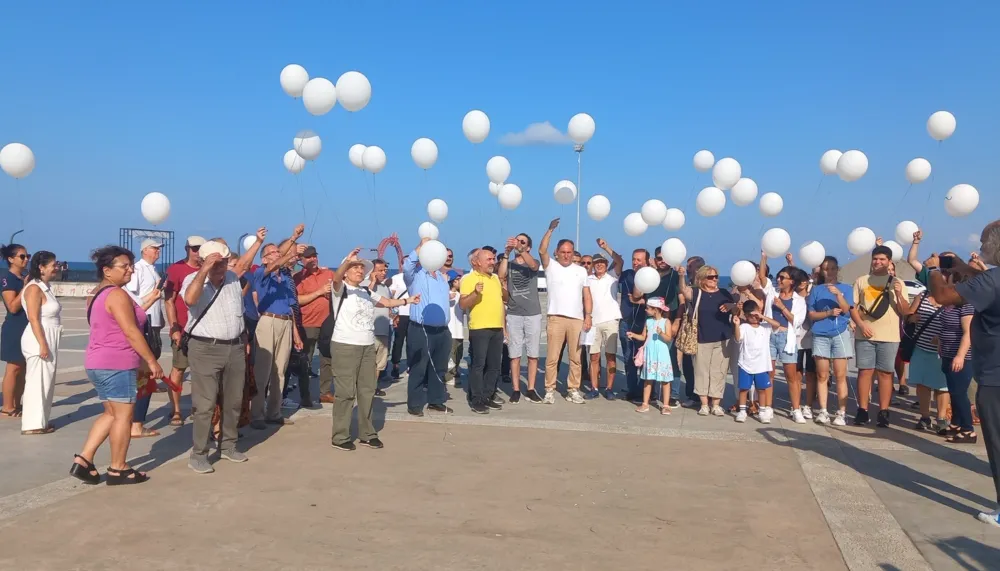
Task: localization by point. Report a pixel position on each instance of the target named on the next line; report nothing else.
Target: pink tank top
(108, 347)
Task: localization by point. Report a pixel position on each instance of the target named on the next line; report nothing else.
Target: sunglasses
(194, 248)
(587, 263)
(712, 277)
(24, 256)
(784, 277)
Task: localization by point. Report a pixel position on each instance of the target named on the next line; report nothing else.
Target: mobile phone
(947, 262)
(163, 282)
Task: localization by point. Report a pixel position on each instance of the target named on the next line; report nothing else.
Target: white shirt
(755, 348)
(224, 320)
(355, 324)
(603, 290)
(383, 317)
(457, 322)
(769, 294)
(565, 286)
(398, 290)
(144, 280)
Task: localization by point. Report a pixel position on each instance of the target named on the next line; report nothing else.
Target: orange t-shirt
(316, 311)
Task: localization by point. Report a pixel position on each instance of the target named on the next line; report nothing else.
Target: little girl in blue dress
(656, 366)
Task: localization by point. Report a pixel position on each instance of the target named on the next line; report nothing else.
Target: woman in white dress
(40, 344)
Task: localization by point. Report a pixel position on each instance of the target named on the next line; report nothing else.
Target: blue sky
(118, 99)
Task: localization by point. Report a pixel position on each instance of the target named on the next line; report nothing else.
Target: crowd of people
(243, 330)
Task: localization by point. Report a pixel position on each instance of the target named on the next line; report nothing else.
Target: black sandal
(125, 477)
(87, 474)
(963, 438)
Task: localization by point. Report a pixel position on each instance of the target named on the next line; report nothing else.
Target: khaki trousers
(562, 329)
(711, 364)
(353, 381)
(381, 354)
(274, 345)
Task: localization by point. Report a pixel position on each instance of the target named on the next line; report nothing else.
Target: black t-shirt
(713, 325)
(668, 289)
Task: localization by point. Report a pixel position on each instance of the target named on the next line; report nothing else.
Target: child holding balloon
(656, 365)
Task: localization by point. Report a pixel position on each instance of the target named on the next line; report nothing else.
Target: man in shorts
(520, 271)
(607, 315)
(177, 317)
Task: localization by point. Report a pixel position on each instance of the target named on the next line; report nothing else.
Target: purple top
(108, 347)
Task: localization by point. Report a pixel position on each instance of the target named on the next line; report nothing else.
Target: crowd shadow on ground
(970, 554)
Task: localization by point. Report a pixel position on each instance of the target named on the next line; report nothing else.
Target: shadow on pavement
(970, 554)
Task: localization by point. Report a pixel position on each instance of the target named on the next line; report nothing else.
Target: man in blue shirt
(428, 339)
(633, 319)
(276, 333)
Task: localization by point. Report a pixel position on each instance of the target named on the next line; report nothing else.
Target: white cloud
(536, 134)
(974, 238)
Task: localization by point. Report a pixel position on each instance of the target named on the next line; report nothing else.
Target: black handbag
(326, 329)
(911, 333)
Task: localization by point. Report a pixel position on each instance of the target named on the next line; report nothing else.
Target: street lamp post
(579, 190)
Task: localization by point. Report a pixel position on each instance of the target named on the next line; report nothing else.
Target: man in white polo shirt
(401, 322)
(603, 285)
(570, 306)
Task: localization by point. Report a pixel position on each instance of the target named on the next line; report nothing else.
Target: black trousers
(399, 338)
(486, 351)
(988, 407)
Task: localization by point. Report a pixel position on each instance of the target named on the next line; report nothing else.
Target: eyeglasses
(712, 277)
(784, 277)
(586, 263)
(123, 266)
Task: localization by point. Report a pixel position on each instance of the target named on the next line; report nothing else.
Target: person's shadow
(969, 553)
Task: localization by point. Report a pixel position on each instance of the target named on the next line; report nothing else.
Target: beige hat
(150, 243)
(195, 241)
(212, 247)
(368, 265)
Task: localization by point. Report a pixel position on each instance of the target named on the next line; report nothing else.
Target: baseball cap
(599, 259)
(212, 247)
(195, 241)
(656, 302)
(310, 252)
(149, 243)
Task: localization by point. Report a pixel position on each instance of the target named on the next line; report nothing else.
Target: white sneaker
(574, 396)
(798, 417)
(840, 419)
(550, 397)
(807, 412)
(822, 417)
(741, 416)
(717, 411)
(766, 415)
(991, 518)
(703, 411)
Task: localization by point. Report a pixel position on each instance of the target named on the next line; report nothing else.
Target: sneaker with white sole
(549, 398)
(703, 411)
(822, 417)
(991, 518)
(840, 419)
(717, 411)
(798, 417)
(807, 412)
(741, 416)
(575, 396)
(766, 415)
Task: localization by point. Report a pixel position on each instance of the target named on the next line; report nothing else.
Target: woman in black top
(11, 284)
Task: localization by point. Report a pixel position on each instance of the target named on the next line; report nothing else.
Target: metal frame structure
(131, 239)
(392, 240)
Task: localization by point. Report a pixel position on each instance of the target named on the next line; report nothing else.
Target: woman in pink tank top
(115, 351)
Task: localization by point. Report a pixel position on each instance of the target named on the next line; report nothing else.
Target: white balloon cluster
(744, 192)
(17, 160)
(726, 173)
(498, 169)
(437, 210)
(319, 95)
(710, 201)
(653, 212)
(635, 225)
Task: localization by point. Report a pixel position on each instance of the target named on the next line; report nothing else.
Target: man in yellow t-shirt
(482, 300)
(878, 302)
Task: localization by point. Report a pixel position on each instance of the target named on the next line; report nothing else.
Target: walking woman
(40, 344)
(115, 351)
(710, 310)
(13, 327)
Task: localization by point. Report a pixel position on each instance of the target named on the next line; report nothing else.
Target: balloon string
(17, 193)
(694, 185)
(378, 227)
(302, 199)
(905, 194)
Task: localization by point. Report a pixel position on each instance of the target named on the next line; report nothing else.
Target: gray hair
(991, 243)
(472, 257)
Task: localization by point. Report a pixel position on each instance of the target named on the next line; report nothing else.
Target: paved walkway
(592, 486)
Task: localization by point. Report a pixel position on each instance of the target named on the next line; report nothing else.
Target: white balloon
(356, 154)
(726, 173)
(495, 188)
(319, 96)
(17, 160)
(918, 170)
(437, 210)
(634, 224)
(941, 125)
(861, 241)
(564, 192)
(812, 254)
(354, 91)
(742, 273)
(674, 252)
(961, 200)
(710, 201)
(249, 241)
(703, 160)
(775, 242)
(852, 165)
(498, 169)
(647, 279)
(428, 230)
(771, 204)
(598, 207)
(432, 255)
(307, 144)
(828, 162)
(674, 220)
(897, 250)
(905, 231)
(476, 126)
(293, 79)
(581, 128)
(424, 152)
(155, 207)
(373, 159)
(509, 196)
(744, 192)
(653, 212)
(293, 162)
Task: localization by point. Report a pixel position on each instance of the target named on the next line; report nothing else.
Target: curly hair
(105, 258)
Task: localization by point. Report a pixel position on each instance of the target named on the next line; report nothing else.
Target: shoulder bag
(186, 334)
(687, 338)
(911, 333)
(326, 329)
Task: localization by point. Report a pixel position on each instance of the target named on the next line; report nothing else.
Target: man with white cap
(216, 344)
(143, 288)
(177, 316)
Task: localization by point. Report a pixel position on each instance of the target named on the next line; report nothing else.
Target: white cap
(150, 243)
(213, 247)
(195, 241)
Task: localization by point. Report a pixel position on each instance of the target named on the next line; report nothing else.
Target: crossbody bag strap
(924, 325)
(207, 307)
(91, 308)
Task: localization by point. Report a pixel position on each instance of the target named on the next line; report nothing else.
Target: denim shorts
(877, 355)
(114, 385)
(836, 347)
(778, 340)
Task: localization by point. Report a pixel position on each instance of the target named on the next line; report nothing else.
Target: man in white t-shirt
(603, 285)
(569, 314)
(401, 322)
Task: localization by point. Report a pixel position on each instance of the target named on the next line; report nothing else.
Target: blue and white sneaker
(992, 518)
(592, 394)
(609, 394)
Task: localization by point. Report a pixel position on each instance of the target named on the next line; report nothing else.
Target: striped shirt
(928, 339)
(951, 330)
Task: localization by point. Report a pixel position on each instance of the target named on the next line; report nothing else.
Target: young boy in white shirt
(754, 336)
(456, 324)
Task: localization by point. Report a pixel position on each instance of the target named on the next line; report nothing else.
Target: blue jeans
(958, 388)
(141, 409)
(427, 350)
(629, 348)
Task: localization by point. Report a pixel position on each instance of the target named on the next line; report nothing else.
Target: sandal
(963, 438)
(665, 410)
(47, 430)
(177, 419)
(11, 413)
(125, 477)
(644, 408)
(86, 472)
(146, 433)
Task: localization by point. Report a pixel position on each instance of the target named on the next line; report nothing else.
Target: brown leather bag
(687, 337)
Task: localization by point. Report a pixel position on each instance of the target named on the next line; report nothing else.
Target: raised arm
(337, 282)
(685, 289)
(246, 260)
(286, 251)
(762, 269)
(946, 294)
(617, 263)
(543, 246)
(194, 290)
(913, 256)
(411, 263)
